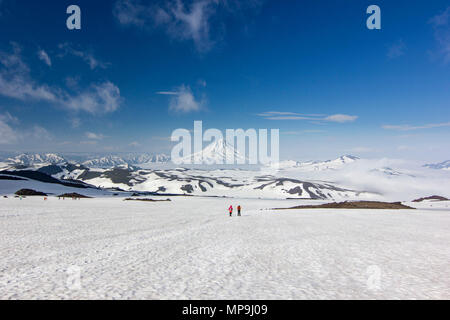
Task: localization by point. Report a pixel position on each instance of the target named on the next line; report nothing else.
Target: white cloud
(7, 133)
(135, 144)
(183, 100)
(16, 82)
(441, 24)
(192, 23)
(179, 21)
(39, 133)
(441, 19)
(407, 127)
(168, 93)
(7, 117)
(280, 115)
(131, 12)
(341, 118)
(99, 98)
(94, 136)
(190, 20)
(87, 57)
(44, 57)
(10, 135)
(283, 115)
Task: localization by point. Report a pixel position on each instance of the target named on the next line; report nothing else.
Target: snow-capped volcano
(215, 153)
(440, 166)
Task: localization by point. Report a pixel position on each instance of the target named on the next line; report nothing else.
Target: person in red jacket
(239, 210)
(230, 209)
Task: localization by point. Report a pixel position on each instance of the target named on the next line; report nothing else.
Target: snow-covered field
(108, 248)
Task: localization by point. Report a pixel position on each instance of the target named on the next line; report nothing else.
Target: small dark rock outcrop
(435, 198)
(30, 192)
(73, 195)
(187, 188)
(354, 205)
(146, 200)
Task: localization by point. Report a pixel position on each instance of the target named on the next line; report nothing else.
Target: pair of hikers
(230, 210)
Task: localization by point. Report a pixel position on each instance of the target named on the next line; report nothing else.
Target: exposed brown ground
(73, 195)
(353, 205)
(147, 200)
(436, 198)
(30, 192)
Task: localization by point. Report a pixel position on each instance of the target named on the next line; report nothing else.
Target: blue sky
(137, 70)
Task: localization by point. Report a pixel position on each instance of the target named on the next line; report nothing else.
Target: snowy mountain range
(346, 177)
(317, 165)
(36, 159)
(439, 166)
(127, 173)
(109, 161)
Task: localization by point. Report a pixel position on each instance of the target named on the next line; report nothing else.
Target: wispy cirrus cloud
(97, 99)
(181, 20)
(40, 133)
(94, 136)
(88, 57)
(134, 144)
(441, 26)
(341, 118)
(7, 134)
(43, 56)
(167, 93)
(17, 83)
(407, 127)
(10, 134)
(183, 100)
(280, 115)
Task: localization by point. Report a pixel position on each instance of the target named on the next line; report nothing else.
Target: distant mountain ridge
(445, 165)
(109, 161)
(317, 165)
(128, 172)
(32, 159)
(214, 153)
